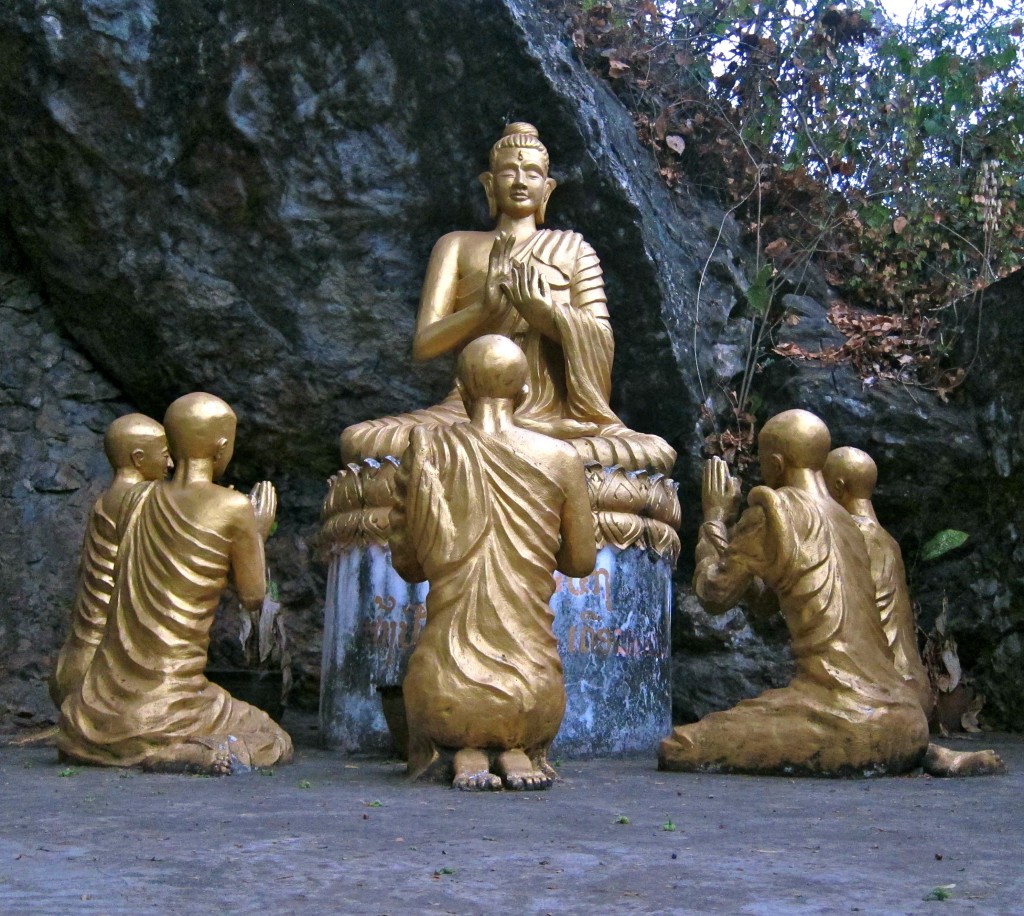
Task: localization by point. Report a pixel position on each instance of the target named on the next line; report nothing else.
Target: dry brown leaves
(899, 348)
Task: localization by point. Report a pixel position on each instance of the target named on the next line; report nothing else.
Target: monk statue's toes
(473, 773)
(941, 761)
(476, 782)
(221, 764)
(519, 773)
(541, 764)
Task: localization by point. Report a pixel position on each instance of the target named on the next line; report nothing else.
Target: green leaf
(758, 295)
(943, 542)
(669, 826)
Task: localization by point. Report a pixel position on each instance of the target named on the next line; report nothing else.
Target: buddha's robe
(570, 378)
(486, 671)
(892, 598)
(145, 693)
(846, 711)
(89, 611)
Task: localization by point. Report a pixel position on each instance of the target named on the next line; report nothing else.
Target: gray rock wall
(242, 198)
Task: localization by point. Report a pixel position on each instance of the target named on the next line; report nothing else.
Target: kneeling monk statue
(851, 475)
(543, 289)
(847, 710)
(136, 448)
(486, 513)
(145, 698)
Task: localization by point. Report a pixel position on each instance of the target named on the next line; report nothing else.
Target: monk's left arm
(248, 561)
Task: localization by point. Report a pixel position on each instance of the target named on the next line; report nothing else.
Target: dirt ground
(331, 834)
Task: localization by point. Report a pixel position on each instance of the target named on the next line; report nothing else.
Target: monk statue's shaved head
(492, 366)
(197, 423)
(850, 472)
(799, 437)
(128, 433)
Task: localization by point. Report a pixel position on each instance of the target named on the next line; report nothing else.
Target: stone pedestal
(612, 626)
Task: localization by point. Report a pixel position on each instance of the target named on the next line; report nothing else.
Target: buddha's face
(520, 181)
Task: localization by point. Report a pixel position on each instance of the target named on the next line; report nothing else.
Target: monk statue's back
(486, 512)
(145, 698)
(136, 447)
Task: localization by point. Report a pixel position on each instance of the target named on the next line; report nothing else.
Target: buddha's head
(201, 426)
(517, 183)
(794, 439)
(491, 366)
(136, 442)
(850, 474)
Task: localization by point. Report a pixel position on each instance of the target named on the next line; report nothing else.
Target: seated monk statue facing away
(486, 512)
(137, 450)
(145, 698)
(847, 711)
(543, 289)
(851, 475)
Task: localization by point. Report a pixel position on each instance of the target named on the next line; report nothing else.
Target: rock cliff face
(242, 199)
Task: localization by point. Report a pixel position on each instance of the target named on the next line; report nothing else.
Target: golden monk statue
(851, 476)
(846, 711)
(145, 699)
(543, 289)
(487, 511)
(137, 450)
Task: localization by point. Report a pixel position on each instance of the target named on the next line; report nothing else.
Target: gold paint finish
(145, 698)
(851, 475)
(846, 711)
(487, 511)
(542, 289)
(359, 499)
(137, 450)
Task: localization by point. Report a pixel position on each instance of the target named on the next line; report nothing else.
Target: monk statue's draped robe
(846, 709)
(145, 695)
(89, 611)
(570, 378)
(895, 608)
(486, 671)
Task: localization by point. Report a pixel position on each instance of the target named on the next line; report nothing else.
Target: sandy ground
(331, 834)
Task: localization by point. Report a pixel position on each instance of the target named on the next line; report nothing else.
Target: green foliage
(621, 819)
(942, 892)
(891, 153)
(669, 826)
(941, 543)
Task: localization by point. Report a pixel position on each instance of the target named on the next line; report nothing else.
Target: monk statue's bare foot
(941, 761)
(201, 756)
(519, 773)
(540, 762)
(472, 772)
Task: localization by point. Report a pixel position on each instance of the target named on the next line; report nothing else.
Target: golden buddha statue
(486, 512)
(145, 698)
(543, 289)
(851, 475)
(136, 448)
(847, 711)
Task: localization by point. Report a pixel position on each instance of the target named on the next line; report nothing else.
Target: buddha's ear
(549, 185)
(222, 444)
(487, 180)
(137, 456)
